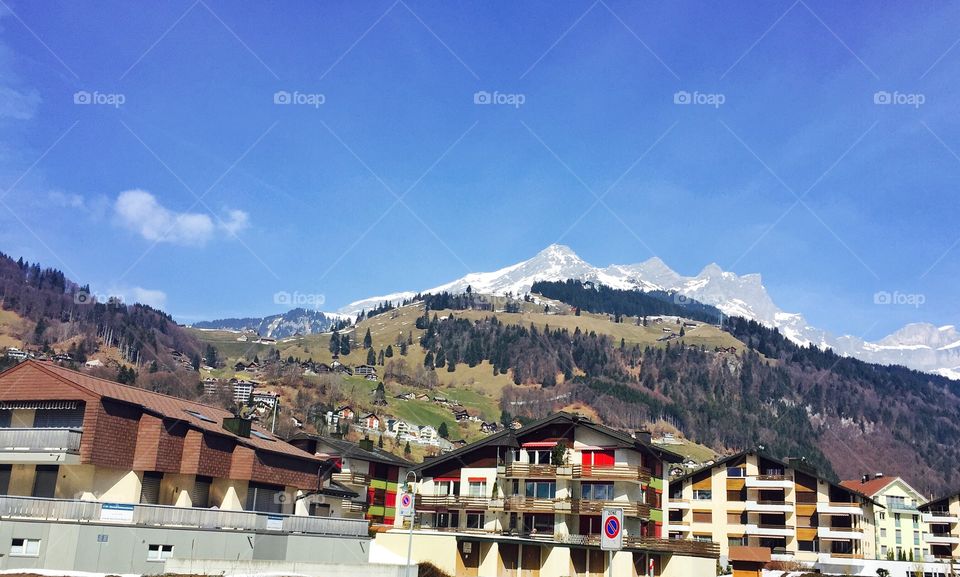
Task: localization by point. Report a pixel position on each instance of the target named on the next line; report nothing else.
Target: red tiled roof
(871, 487)
(158, 403)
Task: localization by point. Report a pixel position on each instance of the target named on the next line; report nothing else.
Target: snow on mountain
(296, 321)
(920, 346)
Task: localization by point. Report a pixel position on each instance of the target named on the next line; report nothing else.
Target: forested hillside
(56, 310)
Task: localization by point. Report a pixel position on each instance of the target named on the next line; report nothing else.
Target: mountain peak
(558, 251)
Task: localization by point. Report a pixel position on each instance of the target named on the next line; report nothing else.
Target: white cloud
(152, 297)
(139, 211)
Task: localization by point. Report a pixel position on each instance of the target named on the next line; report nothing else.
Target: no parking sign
(611, 535)
(406, 505)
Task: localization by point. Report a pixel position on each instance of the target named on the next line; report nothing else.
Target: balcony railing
(352, 478)
(612, 473)
(349, 506)
(70, 511)
(676, 546)
(40, 441)
(592, 507)
(434, 502)
(530, 471)
(535, 505)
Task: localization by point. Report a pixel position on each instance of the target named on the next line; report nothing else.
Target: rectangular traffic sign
(406, 504)
(611, 529)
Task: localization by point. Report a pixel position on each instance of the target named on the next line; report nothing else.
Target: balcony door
(599, 459)
(45, 481)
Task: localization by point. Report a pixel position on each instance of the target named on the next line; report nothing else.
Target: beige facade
(756, 501)
(942, 516)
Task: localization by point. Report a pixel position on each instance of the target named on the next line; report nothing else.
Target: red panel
(391, 499)
(603, 458)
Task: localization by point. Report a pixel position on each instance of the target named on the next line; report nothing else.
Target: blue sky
(183, 181)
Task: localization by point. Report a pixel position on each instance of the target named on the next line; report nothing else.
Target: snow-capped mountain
(920, 346)
(293, 322)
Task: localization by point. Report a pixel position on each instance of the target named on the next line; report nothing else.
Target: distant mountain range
(298, 321)
(919, 346)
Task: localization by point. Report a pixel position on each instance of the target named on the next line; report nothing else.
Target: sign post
(611, 537)
(407, 510)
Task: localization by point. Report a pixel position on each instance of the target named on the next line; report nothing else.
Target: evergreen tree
(443, 431)
(335, 343)
(389, 352)
(403, 348)
(154, 367)
(428, 360)
(440, 359)
(345, 345)
(682, 331)
(409, 338)
(371, 357)
(380, 441)
(406, 449)
(380, 358)
(367, 340)
(576, 312)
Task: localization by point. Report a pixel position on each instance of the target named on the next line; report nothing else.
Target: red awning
(435, 479)
(476, 479)
(540, 444)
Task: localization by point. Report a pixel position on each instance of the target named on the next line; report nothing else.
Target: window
(200, 416)
(200, 494)
(883, 532)
(45, 481)
(25, 547)
(702, 494)
(916, 553)
(159, 552)
(597, 491)
(474, 520)
(896, 519)
(451, 519)
(478, 489)
(150, 488)
(320, 510)
(883, 551)
(808, 546)
(736, 472)
(899, 537)
(916, 538)
(5, 471)
(736, 541)
(541, 489)
(265, 498)
(444, 488)
(702, 517)
(737, 518)
(881, 516)
(703, 538)
(735, 496)
(541, 457)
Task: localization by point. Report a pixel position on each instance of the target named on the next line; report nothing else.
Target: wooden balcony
(444, 502)
(630, 508)
(349, 506)
(529, 471)
(612, 473)
(352, 478)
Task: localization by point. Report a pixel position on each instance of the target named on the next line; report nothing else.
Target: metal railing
(64, 510)
(40, 440)
(431, 502)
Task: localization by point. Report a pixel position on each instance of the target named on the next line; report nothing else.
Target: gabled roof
(871, 487)
(508, 438)
(346, 449)
(936, 504)
(165, 406)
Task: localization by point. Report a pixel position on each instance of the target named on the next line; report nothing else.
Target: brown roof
(871, 487)
(750, 554)
(163, 405)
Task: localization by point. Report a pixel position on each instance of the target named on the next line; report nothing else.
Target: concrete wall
(123, 549)
(213, 567)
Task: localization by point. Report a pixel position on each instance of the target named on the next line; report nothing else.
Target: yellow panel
(806, 534)
(735, 484)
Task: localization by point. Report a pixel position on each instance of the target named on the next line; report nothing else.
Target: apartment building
(85, 460)
(942, 516)
(752, 499)
(900, 528)
(529, 502)
(368, 470)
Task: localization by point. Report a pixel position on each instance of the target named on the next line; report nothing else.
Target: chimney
(864, 478)
(644, 436)
(238, 426)
(878, 476)
(366, 444)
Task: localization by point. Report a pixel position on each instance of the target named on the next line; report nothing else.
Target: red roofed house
(901, 529)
